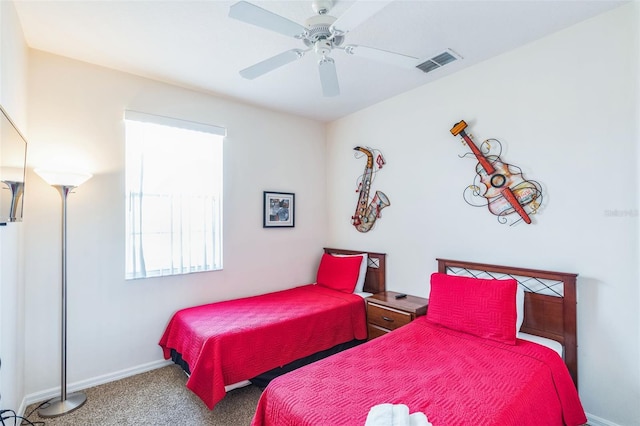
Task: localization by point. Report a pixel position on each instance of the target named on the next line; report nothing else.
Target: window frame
(132, 273)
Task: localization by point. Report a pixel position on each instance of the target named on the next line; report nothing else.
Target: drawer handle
(387, 318)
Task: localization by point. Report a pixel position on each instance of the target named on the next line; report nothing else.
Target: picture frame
(278, 209)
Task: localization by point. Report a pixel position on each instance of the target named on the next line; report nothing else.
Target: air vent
(438, 61)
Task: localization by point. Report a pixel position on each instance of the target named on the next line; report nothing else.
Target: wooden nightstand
(386, 313)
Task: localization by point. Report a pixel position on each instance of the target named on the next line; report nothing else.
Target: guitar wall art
(499, 186)
(368, 211)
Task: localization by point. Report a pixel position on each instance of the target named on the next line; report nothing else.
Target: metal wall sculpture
(368, 211)
(498, 185)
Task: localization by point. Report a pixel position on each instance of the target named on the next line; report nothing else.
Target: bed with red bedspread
(227, 342)
(454, 365)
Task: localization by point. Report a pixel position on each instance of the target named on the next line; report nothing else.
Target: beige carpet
(157, 397)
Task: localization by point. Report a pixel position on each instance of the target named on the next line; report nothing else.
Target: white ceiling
(195, 44)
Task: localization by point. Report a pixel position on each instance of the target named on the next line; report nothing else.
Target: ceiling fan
(321, 33)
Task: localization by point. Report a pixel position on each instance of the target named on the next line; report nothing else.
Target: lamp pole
(66, 402)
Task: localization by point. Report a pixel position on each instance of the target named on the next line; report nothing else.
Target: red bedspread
(454, 378)
(228, 342)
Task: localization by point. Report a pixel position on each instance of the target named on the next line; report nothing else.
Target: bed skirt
(263, 379)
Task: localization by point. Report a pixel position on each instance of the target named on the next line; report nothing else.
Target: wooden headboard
(550, 304)
(374, 281)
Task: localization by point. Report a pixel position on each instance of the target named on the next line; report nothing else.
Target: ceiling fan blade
(385, 56)
(328, 77)
(272, 63)
(357, 14)
(252, 14)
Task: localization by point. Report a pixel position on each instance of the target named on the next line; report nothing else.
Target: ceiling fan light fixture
(323, 47)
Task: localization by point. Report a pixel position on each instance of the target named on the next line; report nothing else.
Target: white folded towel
(395, 415)
(419, 419)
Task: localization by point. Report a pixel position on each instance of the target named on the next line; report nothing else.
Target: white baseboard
(89, 383)
(599, 421)
(23, 406)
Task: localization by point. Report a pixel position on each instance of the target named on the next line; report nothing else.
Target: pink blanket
(235, 340)
(454, 378)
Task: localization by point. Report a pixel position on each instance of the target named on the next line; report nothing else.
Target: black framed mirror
(13, 157)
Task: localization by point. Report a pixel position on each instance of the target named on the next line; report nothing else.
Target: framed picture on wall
(278, 210)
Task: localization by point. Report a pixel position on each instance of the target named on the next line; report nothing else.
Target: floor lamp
(64, 183)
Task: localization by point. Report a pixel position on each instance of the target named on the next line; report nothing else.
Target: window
(174, 196)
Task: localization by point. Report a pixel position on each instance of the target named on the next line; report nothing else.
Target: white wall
(76, 118)
(13, 91)
(566, 110)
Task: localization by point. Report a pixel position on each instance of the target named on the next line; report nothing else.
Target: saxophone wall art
(498, 185)
(368, 211)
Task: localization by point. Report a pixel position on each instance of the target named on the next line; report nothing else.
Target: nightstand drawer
(386, 317)
(375, 331)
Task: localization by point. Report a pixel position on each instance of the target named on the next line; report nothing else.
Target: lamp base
(57, 407)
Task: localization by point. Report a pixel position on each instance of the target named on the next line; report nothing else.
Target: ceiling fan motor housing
(319, 35)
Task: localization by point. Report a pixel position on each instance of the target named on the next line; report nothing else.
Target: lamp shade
(60, 178)
(11, 174)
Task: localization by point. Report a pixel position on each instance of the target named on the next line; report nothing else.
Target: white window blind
(174, 196)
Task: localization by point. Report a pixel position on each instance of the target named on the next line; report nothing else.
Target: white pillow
(519, 307)
(363, 270)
